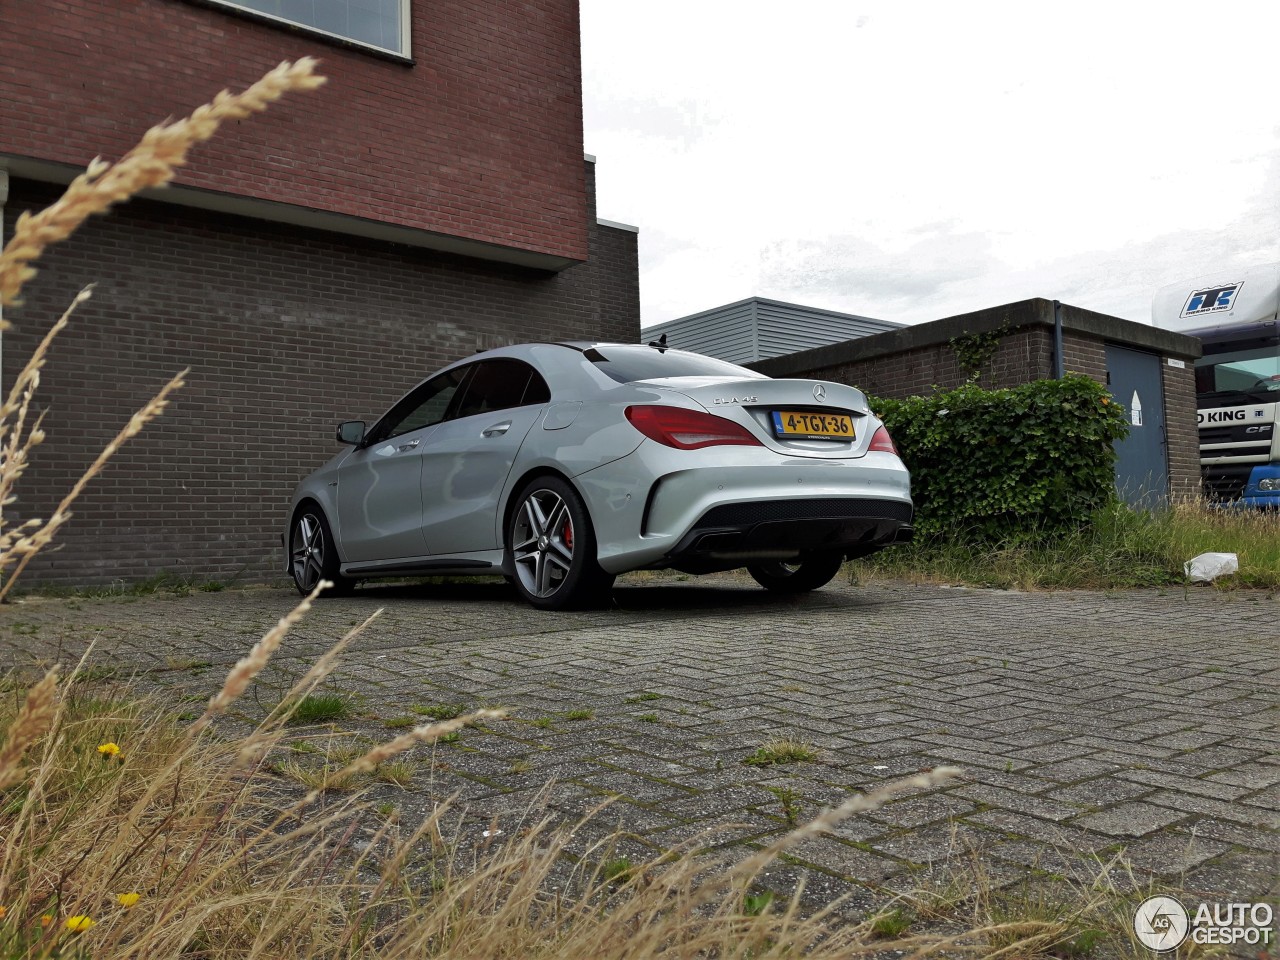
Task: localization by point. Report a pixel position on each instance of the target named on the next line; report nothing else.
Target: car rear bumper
(732, 534)
(728, 505)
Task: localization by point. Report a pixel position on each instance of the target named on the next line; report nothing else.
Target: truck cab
(1236, 316)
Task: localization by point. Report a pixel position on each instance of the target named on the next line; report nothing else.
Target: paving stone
(1253, 777)
(1236, 834)
(1101, 792)
(1082, 869)
(1172, 853)
(918, 811)
(1235, 878)
(1070, 771)
(1206, 788)
(698, 836)
(1043, 807)
(929, 845)
(1134, 819)
(1268, 799)
(720, 802)
(1238, 812)
(845, 859)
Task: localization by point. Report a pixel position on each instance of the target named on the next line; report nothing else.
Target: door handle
(409, 446)
(497, 430)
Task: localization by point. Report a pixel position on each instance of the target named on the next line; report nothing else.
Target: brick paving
(1089, 724)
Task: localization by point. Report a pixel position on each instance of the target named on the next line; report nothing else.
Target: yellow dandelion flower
(127, 900)
(46, 920)
(108, 749)
(3, 911)
(79, 923)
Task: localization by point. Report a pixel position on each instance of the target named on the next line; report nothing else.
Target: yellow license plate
(798, 425)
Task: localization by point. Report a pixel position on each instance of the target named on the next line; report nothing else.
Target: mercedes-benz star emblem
(819, 392)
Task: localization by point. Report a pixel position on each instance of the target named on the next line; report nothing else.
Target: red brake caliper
(567, 533)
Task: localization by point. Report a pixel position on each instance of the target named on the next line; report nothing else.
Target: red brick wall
(286, 332)
(480, 138)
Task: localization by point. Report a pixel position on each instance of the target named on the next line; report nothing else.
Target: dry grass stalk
(33, 721)
(27, 546)
(257, 742)
(427, 733)
(248, 667)
(15, 442)
(859, 803)
(152, 163)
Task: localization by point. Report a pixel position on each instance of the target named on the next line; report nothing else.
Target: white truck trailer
(1236, 316)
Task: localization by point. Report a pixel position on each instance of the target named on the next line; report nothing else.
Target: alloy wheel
(542, 542)
(308, 552)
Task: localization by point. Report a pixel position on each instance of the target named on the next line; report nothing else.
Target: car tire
(808, 574)
(551, 547)
(313, 554)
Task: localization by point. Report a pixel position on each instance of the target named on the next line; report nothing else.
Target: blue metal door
(1142, 462)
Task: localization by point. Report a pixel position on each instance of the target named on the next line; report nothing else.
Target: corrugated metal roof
(758, 329)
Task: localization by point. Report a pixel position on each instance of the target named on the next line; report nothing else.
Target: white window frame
(406, 38)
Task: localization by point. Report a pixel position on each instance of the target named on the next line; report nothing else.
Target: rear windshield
(626, 364)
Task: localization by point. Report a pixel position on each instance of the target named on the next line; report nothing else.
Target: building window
(376, 23)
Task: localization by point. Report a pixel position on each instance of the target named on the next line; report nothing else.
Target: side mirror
(351, 432)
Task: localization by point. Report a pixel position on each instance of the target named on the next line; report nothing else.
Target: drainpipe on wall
(1058, 367)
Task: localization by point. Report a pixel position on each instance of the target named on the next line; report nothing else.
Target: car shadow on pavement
(697, 595)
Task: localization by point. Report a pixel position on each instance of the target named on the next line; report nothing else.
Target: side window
(426, 405)
(500, 385)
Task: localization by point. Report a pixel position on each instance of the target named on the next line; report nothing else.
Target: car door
(466, 461)
(380, 482)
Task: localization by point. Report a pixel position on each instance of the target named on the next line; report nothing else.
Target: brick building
(1161, 454)
(309, 264)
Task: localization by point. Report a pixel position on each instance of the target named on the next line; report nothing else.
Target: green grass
(890, 925)
(398, 773)
(780, 751)
(789, 800)
(320, 708)
(579, 714)
(176, 584)
(1120, 548)
(617, 871)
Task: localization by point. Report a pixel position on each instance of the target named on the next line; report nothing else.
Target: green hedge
(1008, 464)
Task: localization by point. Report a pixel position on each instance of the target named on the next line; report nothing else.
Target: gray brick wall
(286, 333)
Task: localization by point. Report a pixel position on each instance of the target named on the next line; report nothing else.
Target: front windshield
(1230, 376)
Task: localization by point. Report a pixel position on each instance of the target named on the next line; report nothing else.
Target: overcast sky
(911, 160)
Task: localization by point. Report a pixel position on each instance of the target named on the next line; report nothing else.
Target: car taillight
(881, 441)
(687, 429)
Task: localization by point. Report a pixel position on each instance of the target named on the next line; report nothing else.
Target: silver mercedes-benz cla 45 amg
(562, 465)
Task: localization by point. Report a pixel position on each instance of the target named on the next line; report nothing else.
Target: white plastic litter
(1209, 566)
